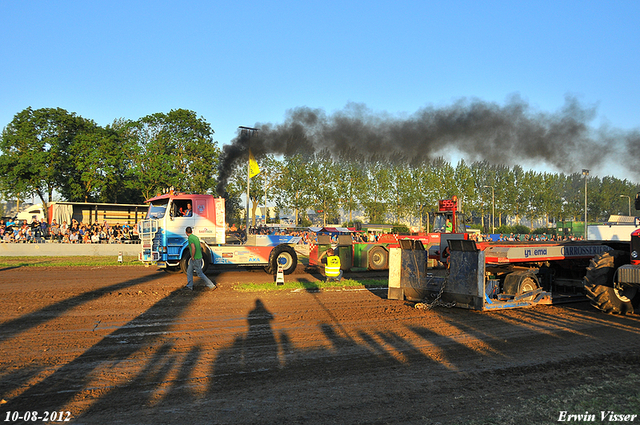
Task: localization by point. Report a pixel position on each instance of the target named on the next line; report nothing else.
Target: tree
(102, 170)
(506, 193)
(270, 172)
(351, 179)
(520, 197)
(443, 181)
(236, 187)
(420, 194)
(260, 183)
(403, 197)
(35, 152)
(323, 191)
(467, 192)
(176, 150)
(293, 188)
(482, 175)
(551, 200)
(91, 154)
(375, 196)
(573, 196)
(122, 184)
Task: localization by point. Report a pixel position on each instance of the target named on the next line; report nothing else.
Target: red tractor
(613, 277)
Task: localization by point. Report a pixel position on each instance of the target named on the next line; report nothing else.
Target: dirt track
(128, 345)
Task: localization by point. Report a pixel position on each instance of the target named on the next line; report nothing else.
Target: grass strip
(309, 286)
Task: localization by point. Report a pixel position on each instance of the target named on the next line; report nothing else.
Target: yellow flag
(253, 166)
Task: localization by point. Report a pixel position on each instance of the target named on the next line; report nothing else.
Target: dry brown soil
(126, 345)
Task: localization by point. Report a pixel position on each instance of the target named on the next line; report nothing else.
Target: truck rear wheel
(378, 258)
(285, 256)
(599, 284)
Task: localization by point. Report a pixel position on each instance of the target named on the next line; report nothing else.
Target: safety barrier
(52, 249)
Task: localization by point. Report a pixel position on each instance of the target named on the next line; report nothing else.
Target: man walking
(195, 262)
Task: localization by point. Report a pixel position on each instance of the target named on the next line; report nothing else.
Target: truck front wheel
(599, 285)
(206, 257)
(205, 262)
(184, 261)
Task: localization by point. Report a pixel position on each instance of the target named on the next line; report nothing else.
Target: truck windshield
(157, 209)
(440, 223)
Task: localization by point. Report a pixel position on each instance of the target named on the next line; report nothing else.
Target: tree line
(392, 193)
(50, 150)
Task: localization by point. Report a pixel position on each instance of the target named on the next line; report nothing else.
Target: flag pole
(248, 182)
(248, 132)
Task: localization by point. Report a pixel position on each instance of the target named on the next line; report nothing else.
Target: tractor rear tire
(378, 258)
(599, 285)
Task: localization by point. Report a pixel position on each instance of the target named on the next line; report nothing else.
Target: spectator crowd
(75, 232)
(306, 236)
(78, 232)
(526, 237)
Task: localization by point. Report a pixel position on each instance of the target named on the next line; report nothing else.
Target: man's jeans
(197, 266)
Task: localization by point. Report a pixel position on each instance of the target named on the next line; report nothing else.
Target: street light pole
(585, 173)
(629, 199)
(493, 210)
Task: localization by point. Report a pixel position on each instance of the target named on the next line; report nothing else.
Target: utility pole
(493, 210)
(585, 173)
(628, 199)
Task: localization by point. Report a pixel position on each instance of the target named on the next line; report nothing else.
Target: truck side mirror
(637, 203)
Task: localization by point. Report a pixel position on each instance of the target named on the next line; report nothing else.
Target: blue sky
(244, 62)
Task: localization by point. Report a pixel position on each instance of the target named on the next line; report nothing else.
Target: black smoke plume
(231, 153)
(511, 134)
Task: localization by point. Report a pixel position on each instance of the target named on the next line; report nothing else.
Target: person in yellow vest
(332, 266)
